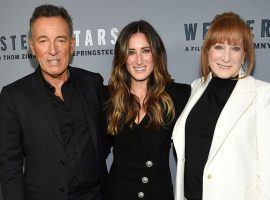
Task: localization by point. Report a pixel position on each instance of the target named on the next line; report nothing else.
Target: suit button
(75, 150)
(140, 195)
(149, 163)
(62, 190)
(144, 179)
(62, 162)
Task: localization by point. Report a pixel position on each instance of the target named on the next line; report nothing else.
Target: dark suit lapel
(42, 98)
(85, 97)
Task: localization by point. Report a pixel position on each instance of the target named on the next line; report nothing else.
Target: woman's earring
(242, 71)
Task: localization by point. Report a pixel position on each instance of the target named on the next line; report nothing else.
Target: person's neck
(57, 82)
(234, 77)
(139, 89)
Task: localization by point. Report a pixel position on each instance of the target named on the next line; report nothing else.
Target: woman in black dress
(144, 103)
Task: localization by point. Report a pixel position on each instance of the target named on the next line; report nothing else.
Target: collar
(47, 85)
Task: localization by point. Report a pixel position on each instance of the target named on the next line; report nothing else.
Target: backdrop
(180, 23)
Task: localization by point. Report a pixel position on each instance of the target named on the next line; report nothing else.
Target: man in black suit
(50, 121)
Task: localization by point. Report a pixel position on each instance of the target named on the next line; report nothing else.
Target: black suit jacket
(29, 129)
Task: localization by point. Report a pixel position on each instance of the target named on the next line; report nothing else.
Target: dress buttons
(145, 179)
(149, 163)
(141, 195)
(62, 162)
(62, 190)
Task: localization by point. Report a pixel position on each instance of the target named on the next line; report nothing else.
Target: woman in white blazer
(222, 138)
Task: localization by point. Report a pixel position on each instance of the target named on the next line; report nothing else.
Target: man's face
(52, 46)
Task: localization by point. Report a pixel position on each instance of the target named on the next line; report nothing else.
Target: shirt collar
(48, 86)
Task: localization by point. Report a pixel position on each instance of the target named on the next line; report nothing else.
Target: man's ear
(73, 43)
(31, 45)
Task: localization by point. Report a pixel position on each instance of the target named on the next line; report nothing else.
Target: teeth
(139, 69)
(53, 62)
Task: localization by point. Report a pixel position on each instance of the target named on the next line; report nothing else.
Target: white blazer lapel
(178, 135)
(240, 99)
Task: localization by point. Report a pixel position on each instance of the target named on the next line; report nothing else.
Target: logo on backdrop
(195, 33)
(98, 42)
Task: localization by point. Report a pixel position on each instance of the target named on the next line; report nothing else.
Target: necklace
(140, 96)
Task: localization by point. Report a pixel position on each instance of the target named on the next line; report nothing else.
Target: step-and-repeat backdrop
(181, 24)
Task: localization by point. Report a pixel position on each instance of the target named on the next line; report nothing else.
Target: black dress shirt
(200, 127)
(81, 159)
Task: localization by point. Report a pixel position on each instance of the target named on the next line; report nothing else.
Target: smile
(53, 61)
(224, 66)
(139, 69)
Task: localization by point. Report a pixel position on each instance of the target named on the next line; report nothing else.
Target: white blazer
(238, 164)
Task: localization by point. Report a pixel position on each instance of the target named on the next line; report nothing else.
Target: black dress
(140, 168)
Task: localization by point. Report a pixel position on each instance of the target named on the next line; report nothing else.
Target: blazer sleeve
(11, 148)
(263, 142)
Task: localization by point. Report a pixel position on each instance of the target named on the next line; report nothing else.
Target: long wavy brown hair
(123, 107)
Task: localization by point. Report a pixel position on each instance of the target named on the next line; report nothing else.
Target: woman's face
(225, 59)
(140, 63)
